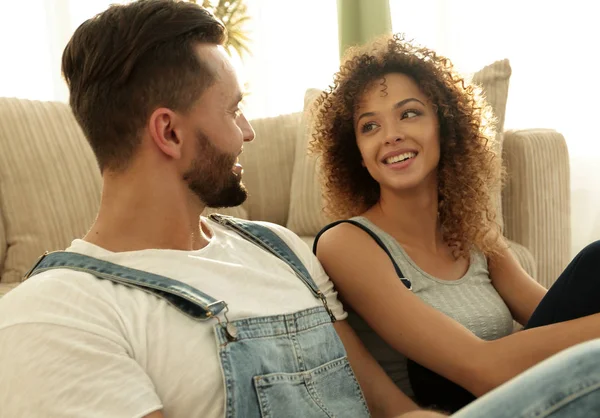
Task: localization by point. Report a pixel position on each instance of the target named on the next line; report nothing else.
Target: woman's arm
(520, 292)
(383, 397)
(366, 280)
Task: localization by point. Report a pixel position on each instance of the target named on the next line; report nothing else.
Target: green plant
(234, 15)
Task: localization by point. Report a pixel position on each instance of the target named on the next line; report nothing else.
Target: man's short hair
(129, 60)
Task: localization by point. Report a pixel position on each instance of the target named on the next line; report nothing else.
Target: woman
(407, 155)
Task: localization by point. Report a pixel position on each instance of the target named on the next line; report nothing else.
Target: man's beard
(210, 176)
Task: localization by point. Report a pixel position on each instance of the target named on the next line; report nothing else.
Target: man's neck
(141, 214)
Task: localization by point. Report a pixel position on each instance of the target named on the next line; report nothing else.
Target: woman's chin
(410, 184)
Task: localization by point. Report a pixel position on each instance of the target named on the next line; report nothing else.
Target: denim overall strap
(185, 298)
(268, 240)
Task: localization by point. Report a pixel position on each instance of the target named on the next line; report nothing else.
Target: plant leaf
(233, 14)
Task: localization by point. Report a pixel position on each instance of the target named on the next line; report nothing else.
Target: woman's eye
(368, 127)
(410, 114)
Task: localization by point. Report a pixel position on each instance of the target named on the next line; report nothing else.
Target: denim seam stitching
(284, 317)
(125, 280)
(242, 335)
(568, 399)
(229, 387)
(312, 392)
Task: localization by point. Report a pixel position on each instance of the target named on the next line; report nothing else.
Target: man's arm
(54, 370)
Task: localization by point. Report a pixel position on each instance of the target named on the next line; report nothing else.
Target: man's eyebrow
(237, 99)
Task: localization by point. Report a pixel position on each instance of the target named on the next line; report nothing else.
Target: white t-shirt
(72, 345)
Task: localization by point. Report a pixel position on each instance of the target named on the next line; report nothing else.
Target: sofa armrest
(536, 198)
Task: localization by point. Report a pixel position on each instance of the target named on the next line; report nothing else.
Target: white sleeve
(313, 266)
(51, 369)
(326, 286)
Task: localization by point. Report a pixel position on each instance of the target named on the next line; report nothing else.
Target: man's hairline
(213, 74)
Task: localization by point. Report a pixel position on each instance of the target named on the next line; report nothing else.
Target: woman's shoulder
(352, 230)
(341, 238)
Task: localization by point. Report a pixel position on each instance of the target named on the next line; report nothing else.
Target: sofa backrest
(49, 182)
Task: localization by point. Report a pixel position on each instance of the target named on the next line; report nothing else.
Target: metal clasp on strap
(324, 301)
(230, 329)
(37, 263)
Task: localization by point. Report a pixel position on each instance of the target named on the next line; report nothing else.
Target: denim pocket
(330, 390)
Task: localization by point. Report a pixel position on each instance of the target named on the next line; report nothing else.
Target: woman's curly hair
(469, 172)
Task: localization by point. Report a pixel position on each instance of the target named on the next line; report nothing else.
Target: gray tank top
(471, 300)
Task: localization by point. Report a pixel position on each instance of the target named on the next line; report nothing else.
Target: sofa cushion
(494, 81)
(49, 182)
(306, 216)
(268, 162)
(2, 237)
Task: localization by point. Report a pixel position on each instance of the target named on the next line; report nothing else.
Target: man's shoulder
(51, 296)
(49, 282)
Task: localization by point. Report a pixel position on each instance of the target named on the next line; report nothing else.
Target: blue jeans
(566, 385)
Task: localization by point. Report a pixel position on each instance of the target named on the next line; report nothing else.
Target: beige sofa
(50, 184)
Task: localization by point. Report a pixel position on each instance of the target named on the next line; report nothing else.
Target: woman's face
(397, 133)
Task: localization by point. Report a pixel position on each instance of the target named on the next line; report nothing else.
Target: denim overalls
(290, 365)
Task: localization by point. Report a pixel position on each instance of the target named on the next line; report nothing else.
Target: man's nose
(247, 130)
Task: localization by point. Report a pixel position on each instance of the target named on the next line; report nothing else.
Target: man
(154, 313)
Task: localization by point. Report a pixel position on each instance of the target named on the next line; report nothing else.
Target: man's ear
(161, 127)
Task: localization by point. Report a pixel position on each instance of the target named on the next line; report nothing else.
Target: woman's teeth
(401, 157)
